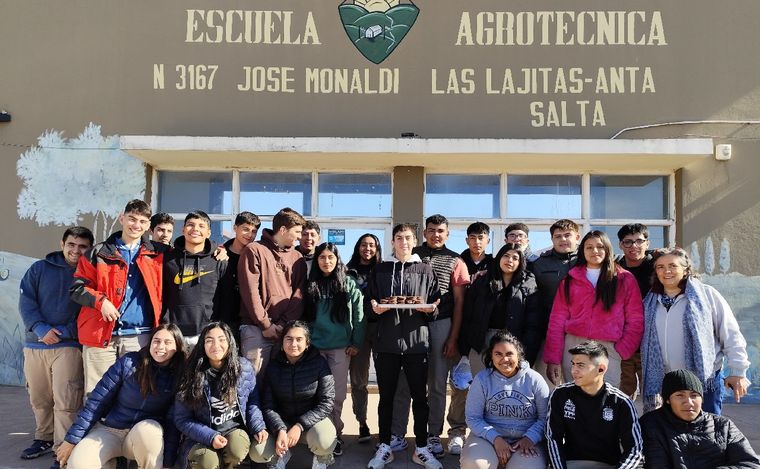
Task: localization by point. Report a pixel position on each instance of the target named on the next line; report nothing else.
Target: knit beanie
(680, 380)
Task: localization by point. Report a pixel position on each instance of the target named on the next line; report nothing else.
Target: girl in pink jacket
(596, 300)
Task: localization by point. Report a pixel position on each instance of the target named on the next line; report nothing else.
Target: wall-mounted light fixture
(723, 152)
(4, 116)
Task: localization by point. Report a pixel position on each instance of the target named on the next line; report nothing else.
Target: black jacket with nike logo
(190, 288)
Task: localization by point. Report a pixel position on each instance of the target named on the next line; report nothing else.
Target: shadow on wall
(12, 269)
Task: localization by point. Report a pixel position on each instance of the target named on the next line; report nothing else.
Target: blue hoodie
(44, 302)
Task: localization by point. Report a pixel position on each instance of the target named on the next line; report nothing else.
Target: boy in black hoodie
(191, 278)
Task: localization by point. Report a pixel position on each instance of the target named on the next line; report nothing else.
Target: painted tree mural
(65, 179)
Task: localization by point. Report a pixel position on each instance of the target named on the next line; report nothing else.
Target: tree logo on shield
(377, 27)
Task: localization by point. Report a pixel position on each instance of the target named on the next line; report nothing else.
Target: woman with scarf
(689, 325)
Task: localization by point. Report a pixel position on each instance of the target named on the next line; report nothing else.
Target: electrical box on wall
(723, 152)
(5, 117)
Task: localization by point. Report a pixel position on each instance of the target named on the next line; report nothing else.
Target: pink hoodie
(583, 316)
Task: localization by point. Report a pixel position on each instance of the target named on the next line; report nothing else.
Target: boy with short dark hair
(119, 284)
(475, 257)
(162, 227)
(52, 355)
(191, 278)
(591, 423)
(311, 235)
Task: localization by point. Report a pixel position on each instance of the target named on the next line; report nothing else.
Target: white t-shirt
(593, 275)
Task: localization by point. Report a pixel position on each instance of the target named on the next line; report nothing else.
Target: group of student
(201, 355)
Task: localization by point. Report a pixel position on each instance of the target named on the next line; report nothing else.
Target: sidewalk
(17, 429)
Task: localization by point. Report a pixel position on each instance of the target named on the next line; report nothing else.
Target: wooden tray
(404, 306)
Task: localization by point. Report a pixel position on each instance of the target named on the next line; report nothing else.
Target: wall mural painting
(63, 180)
(377, 27)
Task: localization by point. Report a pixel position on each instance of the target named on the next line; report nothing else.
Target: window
(354, 195)
(266, 193)
(181, 192)
(462, 196)
(551, 197)
(633, 197)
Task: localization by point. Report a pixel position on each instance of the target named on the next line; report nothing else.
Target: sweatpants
(479, 453)
(144, 443)
(437, 382)
(55, 382)
(338, 362)
(255, 347)
(229, 457)
(96, 361)
(359, 373)
(321, 440)
(388, 367)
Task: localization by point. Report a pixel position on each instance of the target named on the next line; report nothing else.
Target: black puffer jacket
(549, 269)
(709, 442)
(519, 301)
(297, 393)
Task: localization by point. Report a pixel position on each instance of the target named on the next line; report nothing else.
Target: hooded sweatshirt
(402, 331)
(272, 280)
(190, 286)
(508, 407)
(44, 302)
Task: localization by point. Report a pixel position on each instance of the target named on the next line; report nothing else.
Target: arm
(630, 435)
(633, 326)
(541, 396)
(555, 335)
(249, 280)
(171, 439)
(272, 419)
(186, 422)
(739, 453)
(28, 303)
(656, 448)
(84, 288)
(474, 411)
(358, 319)
(533, 331)
(99, 402)
(555, 432)
(325, 397)
(254, 417)
(460, 278)
(295, 305)
(732, 342)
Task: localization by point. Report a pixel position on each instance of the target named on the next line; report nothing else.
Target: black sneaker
(38, 448)
(364, 434)
(338, 450)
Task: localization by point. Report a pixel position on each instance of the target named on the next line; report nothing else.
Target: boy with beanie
(681, 435)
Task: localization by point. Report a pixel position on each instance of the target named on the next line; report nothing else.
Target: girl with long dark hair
(298, 398)
(505, 298)
(367, 254)
(337, 328)
(597, 300)
(506, 410)
(217, 406)
(126, 415)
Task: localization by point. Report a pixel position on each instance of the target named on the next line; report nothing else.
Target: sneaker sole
(36, 455)
(418, 461)
(390, 460)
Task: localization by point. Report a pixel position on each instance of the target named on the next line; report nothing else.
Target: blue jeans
(712, 401)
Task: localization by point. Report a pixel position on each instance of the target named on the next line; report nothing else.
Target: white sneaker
(455, 444)
(383, 456)
(434, 445)
(398, 443)
(424, 457)
(321, 462)
(280, 462)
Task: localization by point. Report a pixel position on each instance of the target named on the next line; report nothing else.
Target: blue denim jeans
(712, 401)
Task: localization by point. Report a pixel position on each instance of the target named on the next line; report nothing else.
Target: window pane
(181, 192)
(360, 195)
(635, 197)
(544, 197)
(656, 237)
(462, 196)
(267, 193)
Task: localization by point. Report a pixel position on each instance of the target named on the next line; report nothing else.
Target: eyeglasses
(630, 242)
(517, 236)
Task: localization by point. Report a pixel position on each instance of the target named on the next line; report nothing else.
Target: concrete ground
(17, 430)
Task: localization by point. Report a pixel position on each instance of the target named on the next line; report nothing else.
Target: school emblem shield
(377, 27)
(607, 414)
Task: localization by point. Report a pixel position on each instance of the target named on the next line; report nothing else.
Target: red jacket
(102, 273)
(585, 317)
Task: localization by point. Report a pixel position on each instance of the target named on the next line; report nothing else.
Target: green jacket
(326, 334)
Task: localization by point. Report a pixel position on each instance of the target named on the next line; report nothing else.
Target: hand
(430, 309)
(450, 348)
(378, 308)
(51, 337)
(261, 436)
(221, 254)
(281, 445)
(63, 452)
(109, 311)
(503, 451)
(739, 385)
(219, 442)
(553, 373)
(352, 351)
(525, 447)
(294, 434)
(270, 333)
